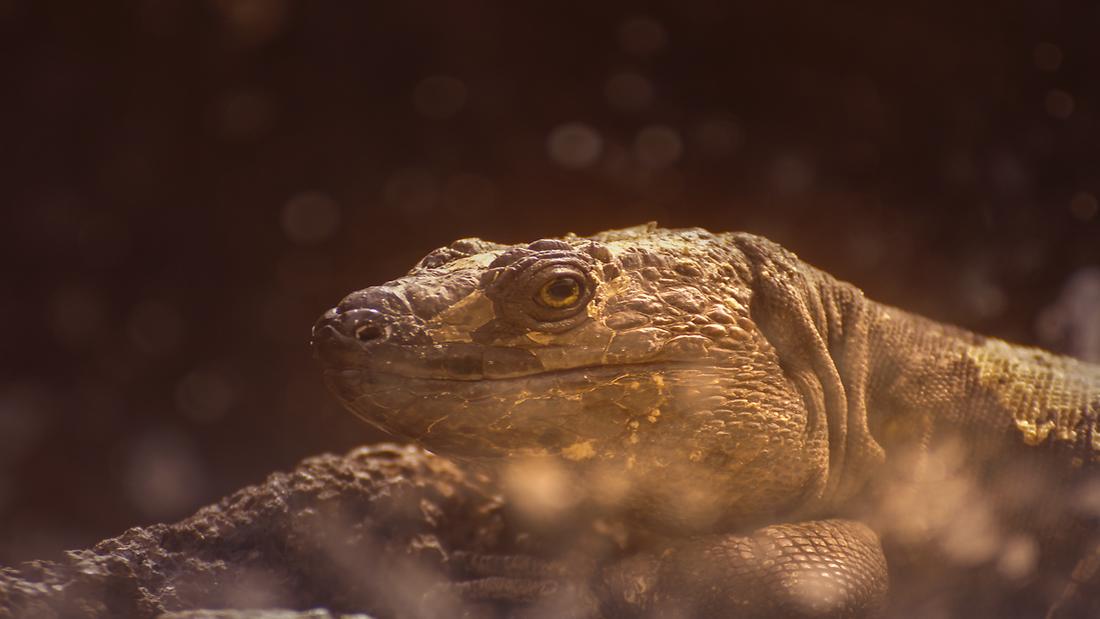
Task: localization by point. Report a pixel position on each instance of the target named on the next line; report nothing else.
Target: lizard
(755, 437)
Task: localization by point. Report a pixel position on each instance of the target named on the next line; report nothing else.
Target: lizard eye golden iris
(560, 293)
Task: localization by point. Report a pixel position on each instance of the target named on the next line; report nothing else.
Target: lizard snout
(337, 335)
(368, 324)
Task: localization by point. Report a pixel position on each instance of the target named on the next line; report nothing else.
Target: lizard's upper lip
(459, 361)
(363, 339)
(373, 375)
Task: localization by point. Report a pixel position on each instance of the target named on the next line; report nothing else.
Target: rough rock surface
(368, 532)
(317, 613)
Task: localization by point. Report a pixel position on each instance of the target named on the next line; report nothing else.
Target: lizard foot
(817, 569)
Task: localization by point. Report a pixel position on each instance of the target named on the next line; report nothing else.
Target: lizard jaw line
(624, 368)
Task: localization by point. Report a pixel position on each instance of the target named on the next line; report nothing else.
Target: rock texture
(317, 613)
(369, 532)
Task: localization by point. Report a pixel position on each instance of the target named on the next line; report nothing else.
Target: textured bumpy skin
(367, 532)
(750, 432)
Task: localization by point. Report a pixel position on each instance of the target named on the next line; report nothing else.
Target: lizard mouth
(353, 385)
(464, 362)
(490, 417)
(426, 376)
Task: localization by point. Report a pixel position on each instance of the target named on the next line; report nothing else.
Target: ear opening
(819, 328)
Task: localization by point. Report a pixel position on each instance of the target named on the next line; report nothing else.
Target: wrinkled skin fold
(716, 408)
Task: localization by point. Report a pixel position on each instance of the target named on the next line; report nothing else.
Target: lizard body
(746, 426)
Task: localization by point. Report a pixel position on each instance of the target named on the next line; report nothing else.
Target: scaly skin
(749, 425)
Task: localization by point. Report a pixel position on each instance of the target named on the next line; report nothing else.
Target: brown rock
(369, 532)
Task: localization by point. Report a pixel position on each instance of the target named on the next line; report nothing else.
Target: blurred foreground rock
(363, 534)
(318, 613)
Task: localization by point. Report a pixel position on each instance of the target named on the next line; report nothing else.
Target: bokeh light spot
(642, 36)
(253, 22)
(1084, 206)
(980, 292)
(1009, 176)
(1019, 557)
(540, 488)
(718, 137)
(243, 114)
(77, 314)
(1059, 104)
(658, 146)
(155, 327)
(24, 414)
(412, 190)
(206, 394)
(310, 217)
(6, 492)
(164, 478)
(791, 174)
(1072, 325)
(1086, 497)
(1047, 57)
(574, 145)
(628, 91)
(440, 96)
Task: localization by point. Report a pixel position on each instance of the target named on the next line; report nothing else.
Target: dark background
(186, 185)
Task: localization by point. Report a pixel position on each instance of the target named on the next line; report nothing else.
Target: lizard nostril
(367, 333)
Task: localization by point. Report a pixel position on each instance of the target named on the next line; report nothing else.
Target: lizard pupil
(560, 293)
(563, 288)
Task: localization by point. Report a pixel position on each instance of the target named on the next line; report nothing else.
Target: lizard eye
(560, 293)
(546, 294)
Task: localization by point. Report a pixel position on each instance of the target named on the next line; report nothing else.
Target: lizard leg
(823, 568)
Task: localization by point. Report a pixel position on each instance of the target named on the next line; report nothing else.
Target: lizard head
(632, 350)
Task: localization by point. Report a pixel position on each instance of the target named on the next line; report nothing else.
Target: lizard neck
(929, 380)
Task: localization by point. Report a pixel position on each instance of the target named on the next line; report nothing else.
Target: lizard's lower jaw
(538, 414)
(635, 422)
